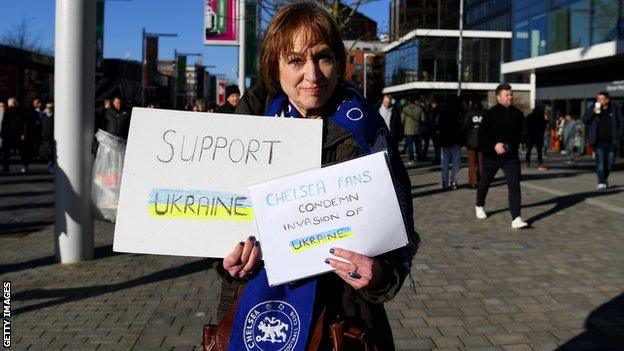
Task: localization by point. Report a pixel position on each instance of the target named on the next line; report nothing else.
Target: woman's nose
(311, 71)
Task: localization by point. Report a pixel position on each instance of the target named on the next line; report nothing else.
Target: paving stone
(481, 285)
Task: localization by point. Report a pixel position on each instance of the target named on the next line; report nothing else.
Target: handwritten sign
(351, 205)
(185, 178)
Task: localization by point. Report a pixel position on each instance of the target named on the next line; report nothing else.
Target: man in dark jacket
(605, 128)
(232, 99)
(499, 137)
(16, 131)
(535, 126)
(117, 120)
(432, 122)
(470, 127)
(450, 140)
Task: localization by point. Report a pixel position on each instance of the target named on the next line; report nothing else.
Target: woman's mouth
(312, 90)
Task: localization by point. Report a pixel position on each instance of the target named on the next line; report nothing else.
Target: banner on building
(151, 60)
(220, 22)
(99, 39)
(220, 91)
(181, 74)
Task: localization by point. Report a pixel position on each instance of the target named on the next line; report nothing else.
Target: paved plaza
(558, 285)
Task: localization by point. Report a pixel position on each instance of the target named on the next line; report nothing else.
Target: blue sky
(125, 19)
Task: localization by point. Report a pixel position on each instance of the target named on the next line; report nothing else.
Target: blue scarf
(353, 113)
(273, 318)
(278, 318)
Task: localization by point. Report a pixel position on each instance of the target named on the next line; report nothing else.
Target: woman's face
(308, 75)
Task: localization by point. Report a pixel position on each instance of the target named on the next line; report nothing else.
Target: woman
(302, 58)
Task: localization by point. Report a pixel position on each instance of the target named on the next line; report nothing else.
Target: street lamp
(366, 56)
(143, 63)
(175, 72)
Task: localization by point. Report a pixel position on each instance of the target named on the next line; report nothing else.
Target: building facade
(407, 15)
(424, 62)
(487, 15)
(572, 49)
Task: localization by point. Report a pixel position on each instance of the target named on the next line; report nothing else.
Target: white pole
(74, 97)
(241, 46)
(532, 94)
(143, 67)
(460, 47)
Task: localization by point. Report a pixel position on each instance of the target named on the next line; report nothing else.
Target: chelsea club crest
(272, 326)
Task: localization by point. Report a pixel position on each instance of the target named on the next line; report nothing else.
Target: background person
(47, 148)
(302, 57)
(605, 128)
(2, 109)
(470, 126)
(499, 137)
(117, 120)
(570, 131)
(232, 99)
(15, 134)
(450, 140)
(535, 126)
(391, 114)
(412, 115)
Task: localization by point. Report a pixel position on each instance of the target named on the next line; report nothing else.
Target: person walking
(470, 126)
(605, 128)
(450, 140)
(535, 126)
(570, 131)
(499, 137)
(411, 117)
(433, 125)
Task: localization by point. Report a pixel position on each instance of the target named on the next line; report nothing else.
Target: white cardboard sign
(185, 178)
(351, 205)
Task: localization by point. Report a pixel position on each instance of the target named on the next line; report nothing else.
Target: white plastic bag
(107, 170)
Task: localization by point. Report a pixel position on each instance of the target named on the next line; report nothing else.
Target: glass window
(402, 64)
(539, 32)
(558, 30)
(605, 21)
(580, 24)
(520, 45)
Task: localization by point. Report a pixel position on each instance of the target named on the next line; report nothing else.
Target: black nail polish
(327, 260)
(242, 243)
(256, 243)
(252, 238)
(332, 250)
(354, 275)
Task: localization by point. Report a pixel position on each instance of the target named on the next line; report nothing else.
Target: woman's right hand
(244, 260)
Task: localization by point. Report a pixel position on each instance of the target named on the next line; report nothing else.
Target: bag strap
(217, 337)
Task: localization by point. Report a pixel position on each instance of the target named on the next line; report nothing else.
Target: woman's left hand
(359, 271)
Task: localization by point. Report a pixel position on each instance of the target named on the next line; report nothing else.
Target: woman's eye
(326, 59)
(296, 61)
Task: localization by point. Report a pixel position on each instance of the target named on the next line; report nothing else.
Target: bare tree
(342, 11)
(20, 36)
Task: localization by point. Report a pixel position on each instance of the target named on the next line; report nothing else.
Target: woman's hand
(244, 260)
(359, 271)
